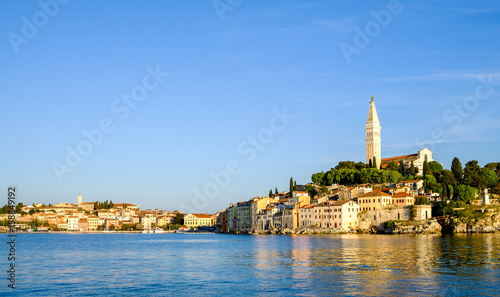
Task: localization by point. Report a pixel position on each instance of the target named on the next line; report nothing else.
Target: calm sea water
(216, 264)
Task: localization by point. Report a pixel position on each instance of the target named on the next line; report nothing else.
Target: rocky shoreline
(455, 225)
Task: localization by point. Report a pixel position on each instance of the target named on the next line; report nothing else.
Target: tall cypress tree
(270, 193)
(412, 169)
(426, 168)
(402, 170)
(291, 185)
(295, 185)
(370, 164)
(375, 162)
(456, 168)
(276, 190)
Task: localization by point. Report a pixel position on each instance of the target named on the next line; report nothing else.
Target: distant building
(83, 225)
(197, 220)
(73, 223)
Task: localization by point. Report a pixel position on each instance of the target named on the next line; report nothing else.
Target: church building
(373, 148)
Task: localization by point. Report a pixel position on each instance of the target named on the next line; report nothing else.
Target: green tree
(19, 207)
(447, 177)
(294, 186)
(375, 162)
(487, 178)
(430, 183)
(317, 178)
(402, 169)
(472, 175)
(370, 164)
(413, 170)
(445, 194)
(422, 200)
(392, 166)
(323, 190)
(346, 165)
(291, 185)
(276, 190)
(312, 191)
(426, 169)
(495, 166)
(360, 165)
(435, 167)
(465, 193)
(179, 219)
(329, 178)
(456, 168)
(270, 193)
(496, 189)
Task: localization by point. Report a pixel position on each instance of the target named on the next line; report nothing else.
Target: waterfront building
(378, 217)
(306, 215)
(83, 225)
(330, 215)
(374, 200)
(267, 219)
(62, 226)
(231, 217)
(93, 222)
(73, 223)
(402, 199)
(113, 222)
(289, 217)
(222, 222)
(244, 216)
(256, 205)
(197, 220)
(162, 220)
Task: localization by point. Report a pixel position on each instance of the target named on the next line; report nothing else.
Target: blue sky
(230, 72)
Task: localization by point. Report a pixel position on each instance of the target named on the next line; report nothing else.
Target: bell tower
(373, 136)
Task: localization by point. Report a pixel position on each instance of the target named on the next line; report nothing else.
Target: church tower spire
(373, 136)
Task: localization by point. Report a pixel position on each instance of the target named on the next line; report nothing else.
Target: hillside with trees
(459, 183)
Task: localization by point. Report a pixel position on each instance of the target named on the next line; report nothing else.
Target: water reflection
(363, 265)
(378, 265)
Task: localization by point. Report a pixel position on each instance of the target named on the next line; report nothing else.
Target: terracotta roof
(398, 157)
(402, 194)
(373, 194)
(201, 216)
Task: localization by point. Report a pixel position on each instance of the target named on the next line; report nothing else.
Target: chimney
(79, 199)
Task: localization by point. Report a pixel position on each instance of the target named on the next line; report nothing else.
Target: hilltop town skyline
(153, 109)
